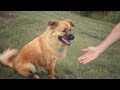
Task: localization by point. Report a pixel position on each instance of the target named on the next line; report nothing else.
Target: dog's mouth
(66, 39)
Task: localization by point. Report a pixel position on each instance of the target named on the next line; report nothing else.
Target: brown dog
(43, 51)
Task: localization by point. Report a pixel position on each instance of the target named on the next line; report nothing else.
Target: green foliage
(108, 16)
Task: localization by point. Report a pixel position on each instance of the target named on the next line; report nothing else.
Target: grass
(88, 32)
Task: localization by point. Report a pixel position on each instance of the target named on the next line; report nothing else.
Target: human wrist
(100, 49)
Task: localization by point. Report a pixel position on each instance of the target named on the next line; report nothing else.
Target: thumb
(84, 50)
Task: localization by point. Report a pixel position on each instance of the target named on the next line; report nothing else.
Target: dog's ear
(53, 23)
(70, 21)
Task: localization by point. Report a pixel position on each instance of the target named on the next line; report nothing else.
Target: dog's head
(61, 30)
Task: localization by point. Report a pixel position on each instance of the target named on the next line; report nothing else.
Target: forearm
(113, 37)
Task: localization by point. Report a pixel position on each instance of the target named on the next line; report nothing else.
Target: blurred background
(108, 16)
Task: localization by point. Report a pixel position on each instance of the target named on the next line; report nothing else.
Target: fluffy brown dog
(43, 51)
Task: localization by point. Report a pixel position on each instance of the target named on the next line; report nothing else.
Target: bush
(108, 16)
(113, 17)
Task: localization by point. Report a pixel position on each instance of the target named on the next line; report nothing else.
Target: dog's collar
(60, 50)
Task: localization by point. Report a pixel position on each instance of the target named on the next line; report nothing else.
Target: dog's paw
(52, 77)
(36, 77)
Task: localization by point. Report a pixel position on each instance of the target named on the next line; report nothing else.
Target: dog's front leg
(51, 70)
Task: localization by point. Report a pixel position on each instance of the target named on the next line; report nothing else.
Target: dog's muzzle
(71, 37)
(66, 39)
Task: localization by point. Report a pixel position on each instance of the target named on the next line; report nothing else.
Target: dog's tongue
(66, 41)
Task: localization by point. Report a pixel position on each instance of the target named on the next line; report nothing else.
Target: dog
(42, 52)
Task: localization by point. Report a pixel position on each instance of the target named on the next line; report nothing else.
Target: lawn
(25, 26)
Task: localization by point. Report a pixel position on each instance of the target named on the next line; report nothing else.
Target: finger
(81, 58)
(85, 50)
(82, 61)
(87, 61)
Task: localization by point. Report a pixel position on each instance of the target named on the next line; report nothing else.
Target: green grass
(88, 32)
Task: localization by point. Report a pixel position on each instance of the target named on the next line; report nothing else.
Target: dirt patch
(7, 19)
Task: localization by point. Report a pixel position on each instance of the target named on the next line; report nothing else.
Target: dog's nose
(71, 36)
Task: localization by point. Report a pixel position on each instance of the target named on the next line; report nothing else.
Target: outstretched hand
(91, 53)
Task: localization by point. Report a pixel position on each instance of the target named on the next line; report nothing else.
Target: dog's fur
(43, 51)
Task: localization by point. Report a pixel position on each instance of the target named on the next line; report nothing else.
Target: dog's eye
(64, 30)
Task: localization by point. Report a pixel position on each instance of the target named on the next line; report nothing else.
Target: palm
(90, 55)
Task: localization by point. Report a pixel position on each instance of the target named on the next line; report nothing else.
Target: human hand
(91, 53)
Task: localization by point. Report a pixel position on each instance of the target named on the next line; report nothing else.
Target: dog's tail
(8, 56)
